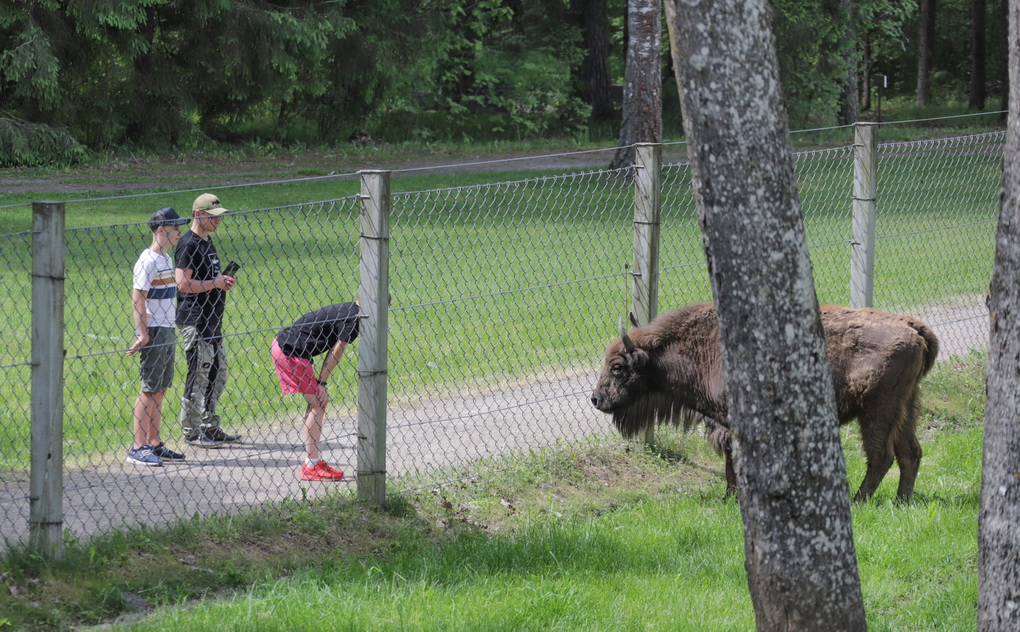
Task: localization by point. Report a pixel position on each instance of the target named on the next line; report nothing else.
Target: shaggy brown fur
(670, 371)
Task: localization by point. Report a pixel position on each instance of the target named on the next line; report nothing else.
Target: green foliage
(29, 65)
(159, 75)
(506, 73)
(31, 144)
(891, 35)
(813, 48)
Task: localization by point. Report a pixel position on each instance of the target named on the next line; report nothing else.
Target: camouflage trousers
(207, 377)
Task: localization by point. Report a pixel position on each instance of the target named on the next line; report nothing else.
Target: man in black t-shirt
(327, 330)
(201, 294)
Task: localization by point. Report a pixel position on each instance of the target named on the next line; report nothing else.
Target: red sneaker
(320, 472)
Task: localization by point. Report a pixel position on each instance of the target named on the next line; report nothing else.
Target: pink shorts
(296, 374)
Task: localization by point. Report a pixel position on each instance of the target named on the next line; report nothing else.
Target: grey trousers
(207, 377)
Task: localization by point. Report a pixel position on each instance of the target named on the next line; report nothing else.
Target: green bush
(24, 144)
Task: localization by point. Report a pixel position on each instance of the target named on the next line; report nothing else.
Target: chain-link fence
(504, 297)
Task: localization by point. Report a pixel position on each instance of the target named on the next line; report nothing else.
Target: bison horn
(627, 342)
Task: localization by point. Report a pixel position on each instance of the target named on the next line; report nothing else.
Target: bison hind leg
(888, 432)
(908, 450)
(877, 431)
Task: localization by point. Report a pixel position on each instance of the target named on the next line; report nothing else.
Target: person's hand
(141, 340)
(224, 282)
(322, 395)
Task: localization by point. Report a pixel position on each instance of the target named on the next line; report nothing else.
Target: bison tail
(718, 437)
(931, 342)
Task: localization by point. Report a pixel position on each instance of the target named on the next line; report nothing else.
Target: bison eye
(617, 370)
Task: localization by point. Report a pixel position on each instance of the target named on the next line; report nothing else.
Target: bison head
(631, 389)
(623, 378)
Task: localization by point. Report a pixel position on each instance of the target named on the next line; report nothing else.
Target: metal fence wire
(503, 298)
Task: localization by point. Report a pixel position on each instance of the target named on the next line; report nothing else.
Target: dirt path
(437, 435)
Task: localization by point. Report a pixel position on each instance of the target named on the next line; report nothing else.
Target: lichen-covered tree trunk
(791, 476)
(642, 83)
(999, 520)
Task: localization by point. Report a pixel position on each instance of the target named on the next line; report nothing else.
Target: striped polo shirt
(154, 273)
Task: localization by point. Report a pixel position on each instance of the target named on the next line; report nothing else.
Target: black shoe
(166, 453)
(203, 440)
(217, 434)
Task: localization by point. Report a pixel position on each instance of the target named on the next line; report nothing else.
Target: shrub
(24, 144)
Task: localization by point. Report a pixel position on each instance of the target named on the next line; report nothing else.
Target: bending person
(326, 330)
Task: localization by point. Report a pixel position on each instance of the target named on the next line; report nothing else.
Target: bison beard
(670, 371)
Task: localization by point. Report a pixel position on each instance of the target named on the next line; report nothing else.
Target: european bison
(671, 371)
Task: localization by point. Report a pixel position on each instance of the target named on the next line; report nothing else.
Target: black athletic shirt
(317, 332)
(202, 309)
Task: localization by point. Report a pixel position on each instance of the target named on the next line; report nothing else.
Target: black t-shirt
(202, 309)
(317, 332)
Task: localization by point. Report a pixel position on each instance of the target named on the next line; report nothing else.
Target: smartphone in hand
(231, 269)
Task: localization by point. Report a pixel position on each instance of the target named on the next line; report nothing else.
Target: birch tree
(642, 83)
(791, 476)
(998, 530)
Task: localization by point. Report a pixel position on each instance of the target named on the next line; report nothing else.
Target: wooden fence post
(46, 518)
(373, 334)
(862, 254)
(647, 207)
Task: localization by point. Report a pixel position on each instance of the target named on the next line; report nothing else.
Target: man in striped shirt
(154, 310)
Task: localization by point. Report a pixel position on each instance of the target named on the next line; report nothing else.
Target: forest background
(81, 78)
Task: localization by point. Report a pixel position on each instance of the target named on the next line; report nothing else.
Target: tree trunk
(791, 476)
(866, 74)
(642, 85)
(596, 86)
(978, 13)
(849, 102)
(998, 535)
(925, 46)
(1006, 82)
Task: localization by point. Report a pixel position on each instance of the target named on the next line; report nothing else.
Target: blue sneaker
(143, 456)
(166, 453)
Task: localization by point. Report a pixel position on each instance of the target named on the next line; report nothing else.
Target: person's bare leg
(155, 417)
(313, 426)
(143, 418)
